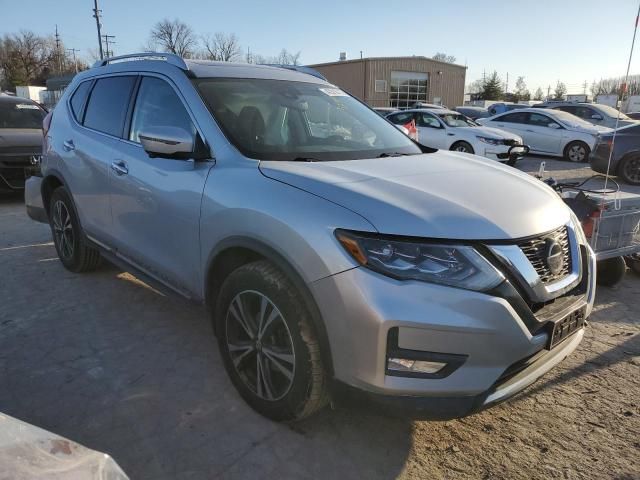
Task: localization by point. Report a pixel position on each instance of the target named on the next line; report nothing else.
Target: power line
(96, 15)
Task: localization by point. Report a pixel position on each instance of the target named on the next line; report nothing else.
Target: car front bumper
(501, 355)
(33, 199)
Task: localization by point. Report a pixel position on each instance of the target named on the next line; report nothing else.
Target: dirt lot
(110, 363)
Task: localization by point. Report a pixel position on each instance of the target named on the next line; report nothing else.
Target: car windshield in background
(20, 115)
(457, 120)
(570, 120)
(612, 112)
(285, 120)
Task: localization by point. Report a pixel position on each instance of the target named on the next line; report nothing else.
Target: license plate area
(566, 327)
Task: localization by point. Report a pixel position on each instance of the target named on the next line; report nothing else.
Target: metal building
(398, 81)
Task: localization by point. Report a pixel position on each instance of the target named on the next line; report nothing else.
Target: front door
(543, 133)
(155, 202)
(431, 132)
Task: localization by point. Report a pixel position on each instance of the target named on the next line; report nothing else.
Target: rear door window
(108, 104)
(79, 98)
(515, 117)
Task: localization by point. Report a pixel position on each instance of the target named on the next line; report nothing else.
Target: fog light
(418, 366)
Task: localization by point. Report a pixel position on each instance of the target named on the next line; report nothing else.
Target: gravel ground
(106, 361)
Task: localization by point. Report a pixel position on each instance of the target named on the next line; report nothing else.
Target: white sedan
(448, 130)
(550, 132)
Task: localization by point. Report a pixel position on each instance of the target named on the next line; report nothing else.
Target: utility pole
(107, 41)
(506, 88)
(58, 50)
(96, 15)
(584, 87)
(548, 92)
(75, 60)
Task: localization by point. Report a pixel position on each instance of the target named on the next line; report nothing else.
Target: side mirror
(164, 141)
(596, 116)
(555, 126)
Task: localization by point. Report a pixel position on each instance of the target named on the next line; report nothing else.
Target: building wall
(358, 78)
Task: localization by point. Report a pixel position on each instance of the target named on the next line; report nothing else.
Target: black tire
(629, 169)
(633, 262)
(68, 237)
(577, 152)
(611, 271)
(462, 147)
(297, 387)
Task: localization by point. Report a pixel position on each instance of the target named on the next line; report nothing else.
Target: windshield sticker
(334, 92)
(27, 106)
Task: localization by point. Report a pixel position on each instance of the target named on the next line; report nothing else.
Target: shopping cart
(611, 222)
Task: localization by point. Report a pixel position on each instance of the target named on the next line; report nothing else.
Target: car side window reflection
(158, 105)
(426, 120)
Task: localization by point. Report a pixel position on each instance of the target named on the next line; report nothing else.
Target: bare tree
(443, 57)
(539, 94)
(476, 86)
(26, 58)
(173, 36)
(221, 47)
(560, 91)
(287, 58)
(522, 93)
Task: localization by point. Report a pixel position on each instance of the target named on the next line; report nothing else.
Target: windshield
(612, 112)
(569, 119)
(457, 120)
(284, 120)
(20, 115)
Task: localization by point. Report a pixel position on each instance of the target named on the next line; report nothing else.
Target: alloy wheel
(260, 345)
(577, 153)
(63, 230)
(632, 169)
(461, 148)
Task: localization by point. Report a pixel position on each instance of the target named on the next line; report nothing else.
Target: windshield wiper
(394, 154)
(304, 159)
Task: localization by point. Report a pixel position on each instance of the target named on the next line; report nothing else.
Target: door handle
(529, 131)
(68, 145)
(119, 167)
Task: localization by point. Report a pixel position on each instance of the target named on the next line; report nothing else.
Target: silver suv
(337, 257)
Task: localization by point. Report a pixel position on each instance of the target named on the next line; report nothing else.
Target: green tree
(539, 94)
(560, 91)
(492, 88)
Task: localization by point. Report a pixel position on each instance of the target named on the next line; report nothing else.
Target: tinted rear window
(78, 99)
(108, 104)
(20, 115)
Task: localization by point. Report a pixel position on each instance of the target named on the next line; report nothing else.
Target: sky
(573, 41)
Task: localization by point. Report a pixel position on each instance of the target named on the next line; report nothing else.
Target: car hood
(20, 140)
(489, 132)
(439, 195)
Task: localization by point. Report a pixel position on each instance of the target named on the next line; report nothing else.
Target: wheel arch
(233, 252)
(50, 182)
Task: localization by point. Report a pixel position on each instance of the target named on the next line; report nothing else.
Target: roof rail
(298, 68)
(171, 58)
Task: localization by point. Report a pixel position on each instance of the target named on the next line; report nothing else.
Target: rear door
(155, 202)
(515, 122)
(89, 142)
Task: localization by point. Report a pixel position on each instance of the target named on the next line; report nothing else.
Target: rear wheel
(462, 147)
(629, 170)
(68, 238)
(577, 152)
(268, 343)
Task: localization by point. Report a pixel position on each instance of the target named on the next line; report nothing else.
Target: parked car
(427, 105)
(633, 115)
(350, 259)
(384, 111)
(502, 107)
(625, 159)
(20, 141)
(594, 113)
(473, 113)
(550, 132)
(449, 130)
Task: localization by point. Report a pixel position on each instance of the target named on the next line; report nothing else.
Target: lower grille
(536, 250)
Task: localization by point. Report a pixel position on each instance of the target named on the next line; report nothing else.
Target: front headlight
(489, 140)
(446, 264)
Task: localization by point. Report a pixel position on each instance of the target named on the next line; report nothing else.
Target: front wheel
(462, 147)
(611, 271)
(268, 344)
(577, 152)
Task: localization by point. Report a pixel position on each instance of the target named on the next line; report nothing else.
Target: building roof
(411, 57)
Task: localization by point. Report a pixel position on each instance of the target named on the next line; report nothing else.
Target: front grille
(536, 251)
